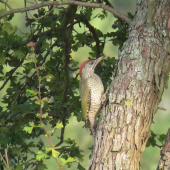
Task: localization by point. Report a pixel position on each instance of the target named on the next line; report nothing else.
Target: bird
(91, 91)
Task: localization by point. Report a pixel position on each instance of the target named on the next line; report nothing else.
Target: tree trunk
(138, 83)
(164, 163)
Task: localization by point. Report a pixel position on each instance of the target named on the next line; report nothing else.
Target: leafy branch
(57, 3)
(12, 72)
(40, 100)
(44, 59)
(93, 31)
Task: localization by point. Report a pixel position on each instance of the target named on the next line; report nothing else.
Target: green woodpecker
(91, 91)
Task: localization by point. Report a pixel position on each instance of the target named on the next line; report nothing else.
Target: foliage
(155, 138)
(47, 64)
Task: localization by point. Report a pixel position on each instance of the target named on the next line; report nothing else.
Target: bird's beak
(97, 61)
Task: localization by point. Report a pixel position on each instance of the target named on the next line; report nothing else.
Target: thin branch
(39, 94)
(61, 137)
(63, 25)
(44, 59)
(108, 3)
(36, 36)
(162, 108)
(3, 160)
(67, 19)
(93, 31)
(71, 25)
(6, 4)
(23, 87)
(30, 2)
(46, 13)
(39, 163)
(6, 157)
(57, 3)
(12, 72)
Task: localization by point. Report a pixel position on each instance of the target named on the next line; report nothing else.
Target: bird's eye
(91, 62)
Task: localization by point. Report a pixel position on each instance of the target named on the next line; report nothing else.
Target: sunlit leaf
(41, 155)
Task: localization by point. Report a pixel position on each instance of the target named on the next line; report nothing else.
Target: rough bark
(136, 90)
(164, 163)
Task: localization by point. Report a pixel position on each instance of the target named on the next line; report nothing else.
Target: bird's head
(88, 66)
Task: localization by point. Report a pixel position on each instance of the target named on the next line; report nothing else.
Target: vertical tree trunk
(136, 90)
(164, 163)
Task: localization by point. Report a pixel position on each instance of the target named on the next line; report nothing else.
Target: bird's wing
(85, 94)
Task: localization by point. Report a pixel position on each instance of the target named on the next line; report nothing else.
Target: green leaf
(79, 167)
(2, 129)
(28, 129)
(162, 138)
(55, 153)
(8, 28)
(4, 140)
(17, 151)
(19, 167)
(49, 77)
(31, 124)
(10, 17)
(38, 103)
(32, 92)
(75, 48)
(42, 167)
(70, 159)
(41, 155)
(45, 46)
(2, 58)
(19, 54)
(59, 126)
(45, 115)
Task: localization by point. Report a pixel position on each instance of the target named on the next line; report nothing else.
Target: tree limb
(6, 4)
(93, 31)
(57, 3)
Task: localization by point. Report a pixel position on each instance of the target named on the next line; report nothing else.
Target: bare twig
(57, 3)
(6, 4)
(6, 157)
(3, 160)
(162, 108)
(46, 13)
(31, 2)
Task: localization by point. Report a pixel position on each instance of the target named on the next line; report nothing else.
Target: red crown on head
(82, 65)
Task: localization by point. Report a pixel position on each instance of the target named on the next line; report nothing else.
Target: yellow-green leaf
(2, 58)
(55, 153)
(41, 155)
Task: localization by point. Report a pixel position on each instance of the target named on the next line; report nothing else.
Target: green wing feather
(84, 94)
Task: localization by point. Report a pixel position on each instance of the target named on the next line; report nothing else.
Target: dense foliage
(42, 73)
